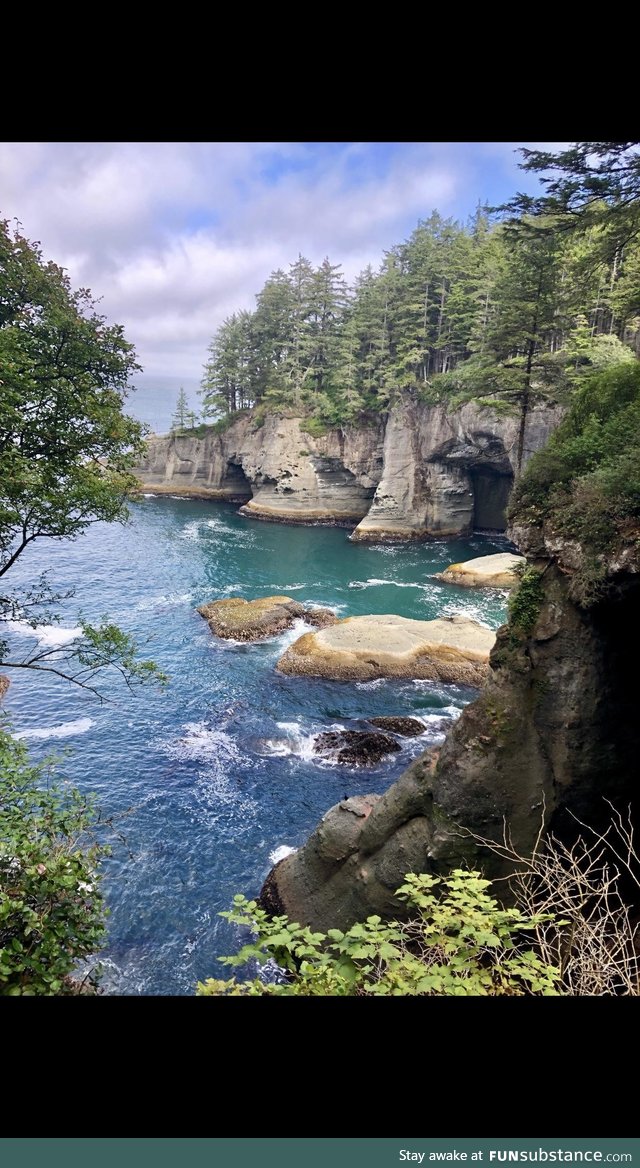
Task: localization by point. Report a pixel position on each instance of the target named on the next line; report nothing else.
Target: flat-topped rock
(484, 572)
(361, 648)
(236, 619)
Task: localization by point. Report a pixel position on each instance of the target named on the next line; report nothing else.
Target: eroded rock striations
(360, 648)
(552, 736)
(420, 471)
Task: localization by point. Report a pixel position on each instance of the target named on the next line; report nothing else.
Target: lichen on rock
(451, 649)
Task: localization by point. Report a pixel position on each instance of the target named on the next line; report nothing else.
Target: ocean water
(209, 781)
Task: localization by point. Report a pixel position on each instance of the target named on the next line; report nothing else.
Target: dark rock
(320, 617)
(406, 727)
(355, 747)
(553, 737)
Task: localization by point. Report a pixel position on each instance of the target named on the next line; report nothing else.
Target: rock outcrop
(553, 735)
(355, 747)
(405, 727)
(361, 648)
(484, 572)
(236, 619)
(446, 472)
(420, 471)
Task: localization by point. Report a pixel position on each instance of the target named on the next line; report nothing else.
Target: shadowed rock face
(553, 734)
(452, 649)
(446, 472)
(417, 472)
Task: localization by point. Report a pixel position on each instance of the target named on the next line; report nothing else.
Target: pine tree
(181, 414)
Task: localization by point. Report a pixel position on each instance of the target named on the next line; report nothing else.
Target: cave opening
(236, 481)
(491, 491)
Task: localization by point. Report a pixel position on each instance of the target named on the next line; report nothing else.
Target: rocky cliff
(553, 735)
(419, 471)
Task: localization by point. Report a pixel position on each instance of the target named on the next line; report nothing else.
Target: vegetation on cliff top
(584, 485)
(508, 311)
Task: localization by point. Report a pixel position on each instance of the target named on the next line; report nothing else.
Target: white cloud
(175, 236)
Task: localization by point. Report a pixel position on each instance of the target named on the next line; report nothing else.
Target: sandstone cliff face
(418, 472)
(295, 476)
(446, 473)
(553, 734)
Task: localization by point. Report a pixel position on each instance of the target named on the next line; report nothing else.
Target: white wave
(280, 852)
(284, 588)
(286, 638)
(64, 730)
(200, 743)
(148, 495)
(49, 636)
(374, 582)
(377, 681)
(183, 498)
(172, 598)
(218, 801)
(191, 531)
(297, 742)
(471, 612)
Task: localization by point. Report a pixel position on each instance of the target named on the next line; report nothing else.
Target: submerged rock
(405, 727)
(355, 747)
(451, 649)
(484, 572)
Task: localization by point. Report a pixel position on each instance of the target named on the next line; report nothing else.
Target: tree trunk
(526, 392)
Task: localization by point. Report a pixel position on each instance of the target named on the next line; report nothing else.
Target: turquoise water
(206, 780)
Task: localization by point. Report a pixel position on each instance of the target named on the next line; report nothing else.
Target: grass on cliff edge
(584, 484)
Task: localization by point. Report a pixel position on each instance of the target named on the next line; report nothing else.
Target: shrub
(460, 942)
(51, 910)
(525, 601)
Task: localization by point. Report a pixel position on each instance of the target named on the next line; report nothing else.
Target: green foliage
(459, 942)
(184, 420)
(525, 601)
(509, 312)
(66, 445)
(314, 426)
(585, 484)
(51, 909)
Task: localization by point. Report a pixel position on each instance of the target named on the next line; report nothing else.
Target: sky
(174, 237)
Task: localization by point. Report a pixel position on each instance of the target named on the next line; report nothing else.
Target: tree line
(512, 304)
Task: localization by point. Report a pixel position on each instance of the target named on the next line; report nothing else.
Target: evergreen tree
(181, 414)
